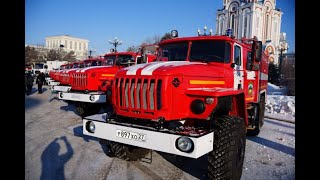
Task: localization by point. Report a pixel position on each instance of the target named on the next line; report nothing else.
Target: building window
(70, 44)
(267, 27)
(75, 45)
(232, 21)
(65, 43)
(257, 25)
(59, 43)
(80, 46)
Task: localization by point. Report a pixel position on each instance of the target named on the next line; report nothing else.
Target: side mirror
(257, 51)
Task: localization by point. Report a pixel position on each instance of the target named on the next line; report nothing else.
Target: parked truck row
(197, 95)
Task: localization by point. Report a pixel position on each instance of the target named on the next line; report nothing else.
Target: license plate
(130, 135)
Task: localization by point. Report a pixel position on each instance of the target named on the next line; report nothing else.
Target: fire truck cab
(91, 86)
(201, 96)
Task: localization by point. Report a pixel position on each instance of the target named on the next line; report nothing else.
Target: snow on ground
(279, 104)
(276, 90)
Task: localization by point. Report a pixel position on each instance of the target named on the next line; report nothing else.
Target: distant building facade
(249, 18)
(78, 45)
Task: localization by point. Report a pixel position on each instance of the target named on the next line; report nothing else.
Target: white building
(78, 45)
(249, 18)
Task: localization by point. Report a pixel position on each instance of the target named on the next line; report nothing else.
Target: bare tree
(70, 57)
(166, 36)
(54, 55)
(132, 49)
(31, 55)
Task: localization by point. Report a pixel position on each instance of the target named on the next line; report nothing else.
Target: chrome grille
(79, 80)
(138, 93)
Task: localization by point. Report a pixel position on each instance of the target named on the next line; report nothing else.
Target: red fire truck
(65, 76)
(55, 75)
(203, 99)
(91, 86)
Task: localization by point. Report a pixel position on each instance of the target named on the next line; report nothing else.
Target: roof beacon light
(229, 32)
(174, 33)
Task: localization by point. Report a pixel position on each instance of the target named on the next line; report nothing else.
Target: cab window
(237, 55)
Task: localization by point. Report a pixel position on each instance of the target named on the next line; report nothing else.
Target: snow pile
(279, 104)
(276, 90)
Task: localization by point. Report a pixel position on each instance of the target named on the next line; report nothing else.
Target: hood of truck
(174, 68)
(93, 69)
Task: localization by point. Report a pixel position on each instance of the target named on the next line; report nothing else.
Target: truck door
(238, 68)
(250, 81)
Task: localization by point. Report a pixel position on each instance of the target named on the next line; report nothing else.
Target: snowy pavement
(56, 148)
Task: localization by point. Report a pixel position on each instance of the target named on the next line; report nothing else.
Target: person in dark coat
(29, 83)
(40, 81)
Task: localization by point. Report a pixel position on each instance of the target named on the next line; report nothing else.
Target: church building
(249, 18)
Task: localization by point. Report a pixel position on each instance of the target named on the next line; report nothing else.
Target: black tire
(125, 152)
(225, 161)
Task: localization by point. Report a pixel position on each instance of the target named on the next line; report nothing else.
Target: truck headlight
(209, 100)
(90, 127)
(92, 98)
(184, 144)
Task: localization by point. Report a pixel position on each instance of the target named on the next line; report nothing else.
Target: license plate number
(130, 135)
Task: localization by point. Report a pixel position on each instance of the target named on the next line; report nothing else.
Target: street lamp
(115, 43)
(90, 52)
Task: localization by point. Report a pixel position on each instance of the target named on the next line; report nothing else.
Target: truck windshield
(38, 66)
(75, 65)
(210, 51)
(173, 52)
(201, 50)
(124, 58)
(81, 65)
(110, 60)
(95, 63)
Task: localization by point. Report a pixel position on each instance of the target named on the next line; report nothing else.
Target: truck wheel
(81, 109)
(125, 152)
(259, 119)
(225, 161)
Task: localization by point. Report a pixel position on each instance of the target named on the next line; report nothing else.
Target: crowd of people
(29, 80)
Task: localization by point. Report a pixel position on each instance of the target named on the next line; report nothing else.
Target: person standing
(40, 81)
(29, 83)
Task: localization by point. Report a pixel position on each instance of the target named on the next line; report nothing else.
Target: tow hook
(160, 123)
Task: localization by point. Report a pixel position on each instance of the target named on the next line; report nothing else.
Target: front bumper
(155, 140)
(60, 88)
(53, 83)
(93, 97)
